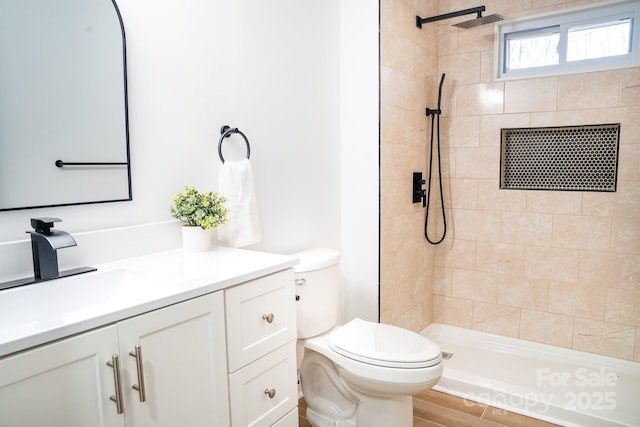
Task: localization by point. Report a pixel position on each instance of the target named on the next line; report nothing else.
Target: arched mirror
(64, 136)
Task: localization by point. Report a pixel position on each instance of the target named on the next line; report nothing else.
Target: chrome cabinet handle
(302, 281)
(115, 364)
(271, 392)
(137, 353)
(268, 317)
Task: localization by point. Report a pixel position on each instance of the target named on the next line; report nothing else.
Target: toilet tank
(316, 291)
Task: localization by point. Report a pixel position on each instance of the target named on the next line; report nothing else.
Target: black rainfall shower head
(482, 20)
(467, 24)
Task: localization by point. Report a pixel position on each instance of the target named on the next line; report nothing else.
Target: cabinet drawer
(289, 420)
(260, 317)
(250, 401)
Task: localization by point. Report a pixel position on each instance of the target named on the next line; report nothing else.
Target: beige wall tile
(589, 90)
(629, 159)
(398, 159)
(630, 86)
(559, 118)
(625, 235)
(547, 258)
(477, 225)
(609, 269)
(625, 202)
(462, 194)
(490, 126)
(402, 127)
(460, 131)
(496, 319)
(442, 280)
(449, 104)
(479, 163)
(551, 263)
(581, 232)
(480, 39)
(394, 194)
(516, 291)
(531, 95)
(547, 328)
(526, 228)
(401, 90)
(447, 41)
(555, 202)
(487, 69)
(474, 285)
(406, 295)
(491, 197)
(501, 258)
(609, 339)
(413, 319)
(482, 98)
(628, 117)
(463, 68)
(457, 254)
(452, 311)
(576, 300)
(622, 307)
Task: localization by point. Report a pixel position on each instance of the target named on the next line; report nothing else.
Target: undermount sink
(91, 293)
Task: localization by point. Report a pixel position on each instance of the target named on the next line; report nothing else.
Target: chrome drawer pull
(268, 317)
(271, 392)
(115, 364)
(301, 281)
(137, 353)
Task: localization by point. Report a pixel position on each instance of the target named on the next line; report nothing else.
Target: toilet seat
(384, 345)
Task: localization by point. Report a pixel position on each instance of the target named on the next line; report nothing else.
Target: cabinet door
(183, 362)
(261, 316)
(63, 384)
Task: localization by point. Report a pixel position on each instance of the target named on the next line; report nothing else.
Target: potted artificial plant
(200, 213)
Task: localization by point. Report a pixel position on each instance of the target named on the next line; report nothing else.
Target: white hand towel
(235, 182)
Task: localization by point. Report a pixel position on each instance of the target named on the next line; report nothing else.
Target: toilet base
(398, 413)
(319, 420)
(333, 402)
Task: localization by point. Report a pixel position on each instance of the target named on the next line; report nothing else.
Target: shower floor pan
(559, 385)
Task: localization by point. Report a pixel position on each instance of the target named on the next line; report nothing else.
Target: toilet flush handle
(300, 282)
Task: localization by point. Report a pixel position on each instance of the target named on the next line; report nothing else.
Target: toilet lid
(384, 345)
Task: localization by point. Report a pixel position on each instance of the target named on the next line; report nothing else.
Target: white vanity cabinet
(174, 365)
(223, 358)
(261, 351)
(181, 371)
(63, 384)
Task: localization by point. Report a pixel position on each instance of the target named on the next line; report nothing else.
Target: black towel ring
(226, 132)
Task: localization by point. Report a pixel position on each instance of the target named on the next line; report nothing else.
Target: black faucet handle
(43, 225)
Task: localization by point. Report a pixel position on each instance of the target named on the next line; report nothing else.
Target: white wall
(359, 134)
(272, 69)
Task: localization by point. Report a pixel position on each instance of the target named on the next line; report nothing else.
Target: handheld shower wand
(435, 120)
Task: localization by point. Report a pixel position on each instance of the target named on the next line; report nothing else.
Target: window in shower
(599, 38)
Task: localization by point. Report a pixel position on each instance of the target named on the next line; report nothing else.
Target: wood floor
(434, 409)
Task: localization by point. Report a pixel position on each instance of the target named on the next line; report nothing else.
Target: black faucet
(44, 245)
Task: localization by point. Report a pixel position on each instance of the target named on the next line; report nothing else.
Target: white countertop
(35, 314)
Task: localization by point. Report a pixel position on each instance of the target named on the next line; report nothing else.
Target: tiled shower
(556, 267)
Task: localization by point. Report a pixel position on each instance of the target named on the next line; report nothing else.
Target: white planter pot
(195, 239)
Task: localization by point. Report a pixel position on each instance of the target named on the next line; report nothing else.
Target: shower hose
(435, 122)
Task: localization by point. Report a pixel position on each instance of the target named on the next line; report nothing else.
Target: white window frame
(562, 21)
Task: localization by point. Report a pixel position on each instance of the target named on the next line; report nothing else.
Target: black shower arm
(478, 10)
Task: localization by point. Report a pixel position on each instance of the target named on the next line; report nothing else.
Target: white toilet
(363, 373)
